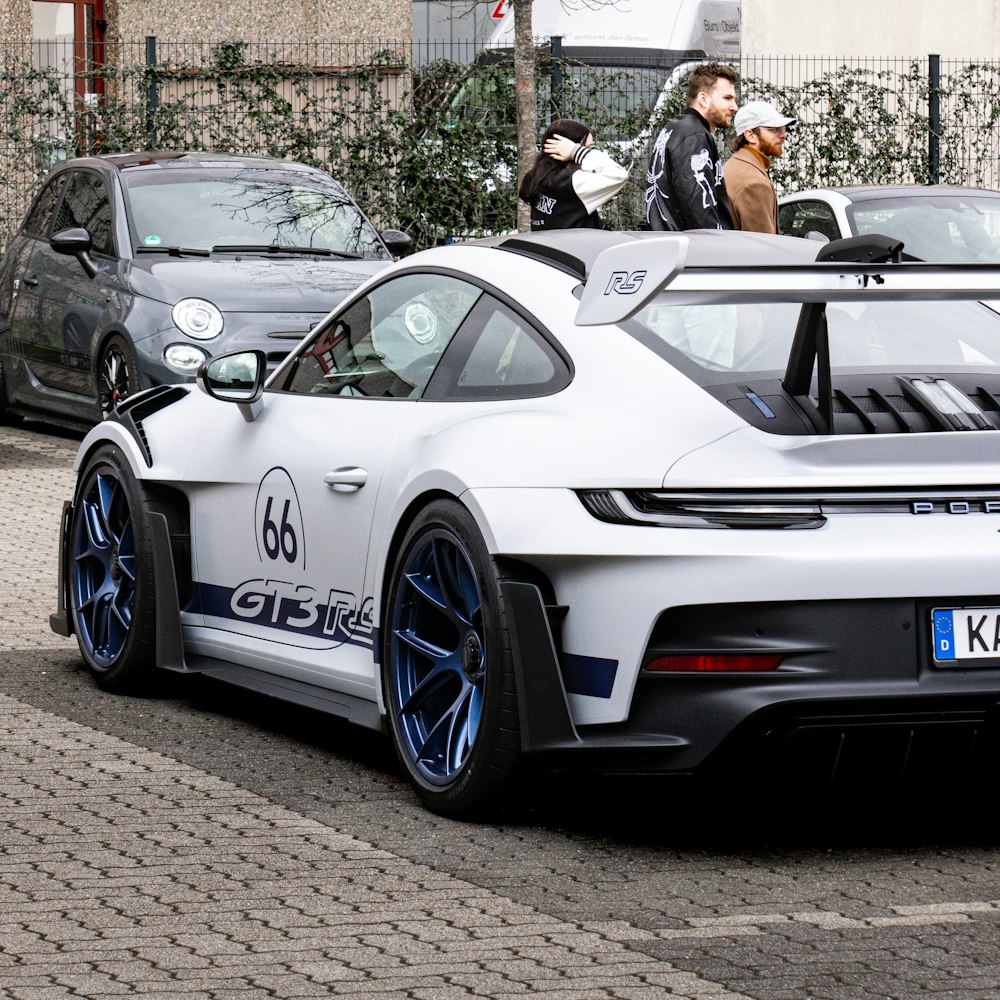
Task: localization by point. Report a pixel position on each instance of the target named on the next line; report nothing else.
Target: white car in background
(688, 503)
(935, 222)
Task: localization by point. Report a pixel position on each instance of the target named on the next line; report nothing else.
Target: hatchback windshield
(936, 228)
(201, 209)
(756, 337)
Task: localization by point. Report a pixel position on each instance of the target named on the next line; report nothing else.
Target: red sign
(499, 10)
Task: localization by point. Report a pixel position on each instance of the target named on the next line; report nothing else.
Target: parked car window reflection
(40, 216)
(86, 206)
(246, 208)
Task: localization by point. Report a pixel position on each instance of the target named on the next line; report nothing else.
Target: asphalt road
(215, 844)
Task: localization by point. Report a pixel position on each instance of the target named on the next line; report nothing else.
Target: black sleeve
(659, 211)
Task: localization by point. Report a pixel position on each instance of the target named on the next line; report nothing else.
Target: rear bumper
(858, 697)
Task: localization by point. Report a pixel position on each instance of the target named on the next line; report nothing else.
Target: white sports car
(614, 501)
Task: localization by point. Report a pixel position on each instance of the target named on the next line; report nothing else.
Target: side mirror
(235, 378)
(398, 243)
(75, 243)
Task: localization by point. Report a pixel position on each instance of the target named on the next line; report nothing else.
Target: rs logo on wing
(625, 282)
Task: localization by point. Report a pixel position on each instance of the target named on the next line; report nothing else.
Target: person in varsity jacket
(684, 183)
(570, 179)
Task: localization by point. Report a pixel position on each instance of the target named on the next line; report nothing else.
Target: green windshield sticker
(152, 241)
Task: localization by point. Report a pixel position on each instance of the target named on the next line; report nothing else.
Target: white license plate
(962, 634)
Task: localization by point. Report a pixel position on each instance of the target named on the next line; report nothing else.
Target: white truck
(615, 33)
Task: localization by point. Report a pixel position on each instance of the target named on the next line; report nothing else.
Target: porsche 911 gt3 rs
(631, 502)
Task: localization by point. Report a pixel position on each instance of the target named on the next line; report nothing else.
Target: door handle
(30, 280)
(346, 480)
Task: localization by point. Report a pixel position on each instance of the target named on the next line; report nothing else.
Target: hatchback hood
(252, 283)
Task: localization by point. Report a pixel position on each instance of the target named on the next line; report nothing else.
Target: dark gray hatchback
(130, 270)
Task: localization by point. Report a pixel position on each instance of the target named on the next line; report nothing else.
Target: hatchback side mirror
(398, 243)
(235, 378)
(75, 243)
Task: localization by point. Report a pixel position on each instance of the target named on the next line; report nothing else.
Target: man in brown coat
(760, 135)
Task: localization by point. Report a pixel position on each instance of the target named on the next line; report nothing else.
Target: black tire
(6, 417)
(110, 575)
(117, 373)
(447, 672)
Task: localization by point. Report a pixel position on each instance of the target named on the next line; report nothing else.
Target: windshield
(935, 228)
(757, 337)
(203, 208)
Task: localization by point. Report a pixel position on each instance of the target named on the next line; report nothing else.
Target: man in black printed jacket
(685, 189)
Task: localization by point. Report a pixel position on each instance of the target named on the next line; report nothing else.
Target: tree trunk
(524, 82)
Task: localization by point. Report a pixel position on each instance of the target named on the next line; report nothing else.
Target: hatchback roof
(168, 159)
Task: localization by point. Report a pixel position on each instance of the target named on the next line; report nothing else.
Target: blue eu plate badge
(944, 636)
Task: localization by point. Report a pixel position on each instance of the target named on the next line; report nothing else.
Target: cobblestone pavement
(214, 844)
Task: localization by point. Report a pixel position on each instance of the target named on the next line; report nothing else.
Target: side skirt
(358, 711)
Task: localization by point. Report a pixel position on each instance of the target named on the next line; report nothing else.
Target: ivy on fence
(432, 149)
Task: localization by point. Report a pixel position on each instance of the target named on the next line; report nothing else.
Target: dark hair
(545, 165)
(703, 78)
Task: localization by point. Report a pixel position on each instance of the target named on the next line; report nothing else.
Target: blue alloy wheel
(440, 657)
(108, 570)
(447, 675)
(104, 567)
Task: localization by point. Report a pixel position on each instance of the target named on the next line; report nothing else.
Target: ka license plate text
(963, 634)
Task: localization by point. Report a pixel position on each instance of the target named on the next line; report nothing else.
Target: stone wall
(249, 20)
(261, 20)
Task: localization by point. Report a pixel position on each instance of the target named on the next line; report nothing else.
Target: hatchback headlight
(184, 358)
(197, 318)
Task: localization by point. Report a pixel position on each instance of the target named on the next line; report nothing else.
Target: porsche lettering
(955, 507)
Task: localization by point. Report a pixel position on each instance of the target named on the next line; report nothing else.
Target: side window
(803, 217)
(37, 222)
(86, 206)
(388, 343)
(497, 355)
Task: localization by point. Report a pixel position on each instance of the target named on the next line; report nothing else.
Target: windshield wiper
(176, 251)
(281, 248)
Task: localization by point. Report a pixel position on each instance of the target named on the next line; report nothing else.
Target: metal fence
(423, 134)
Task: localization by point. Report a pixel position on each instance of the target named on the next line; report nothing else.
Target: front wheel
(447, 673)
(6, 417)
(110, 575)
(117, 373)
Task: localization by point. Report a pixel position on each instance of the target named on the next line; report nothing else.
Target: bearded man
(760, 136)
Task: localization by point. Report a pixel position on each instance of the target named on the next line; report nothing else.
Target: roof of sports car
(577, 249)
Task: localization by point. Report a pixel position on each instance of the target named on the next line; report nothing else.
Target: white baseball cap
(760, 114)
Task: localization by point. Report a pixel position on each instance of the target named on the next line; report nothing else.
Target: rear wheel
(110, 575)
(447, 673)
(117, 373)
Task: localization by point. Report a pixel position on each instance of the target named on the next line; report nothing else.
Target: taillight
(713, 662)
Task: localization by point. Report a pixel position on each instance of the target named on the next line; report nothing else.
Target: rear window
(753, 337)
